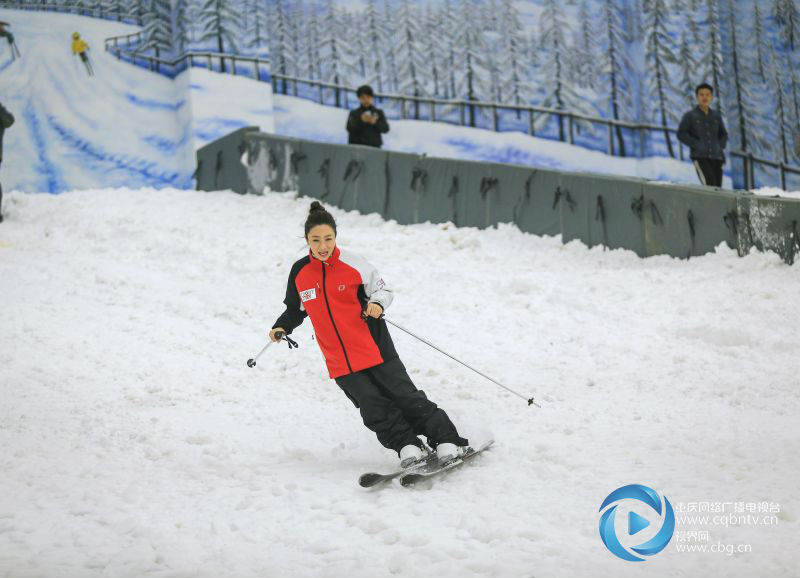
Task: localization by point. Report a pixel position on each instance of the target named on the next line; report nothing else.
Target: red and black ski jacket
(333, 293)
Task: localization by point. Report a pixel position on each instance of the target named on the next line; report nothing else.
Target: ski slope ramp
(135, 442)
(123, 127)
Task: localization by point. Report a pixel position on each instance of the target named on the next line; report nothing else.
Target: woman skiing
(80, 48)
(345, 297)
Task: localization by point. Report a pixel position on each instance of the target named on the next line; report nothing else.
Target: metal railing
(467, 113)
(749, 163)
(227, 63)
(619, 138)
(95, 11)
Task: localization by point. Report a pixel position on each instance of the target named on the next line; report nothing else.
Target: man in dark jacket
(366, 123)
(6, 120)
(703, 131)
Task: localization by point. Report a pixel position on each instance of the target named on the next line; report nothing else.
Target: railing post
(233, 64)
(209, 61)
(319, 89)
(610, 139)
(258, 70)
(783, 176)
(680, 149)
(570, 135)
(751, 179)
(495, 119)
(433, 110)
(461, 108)
(531, 119)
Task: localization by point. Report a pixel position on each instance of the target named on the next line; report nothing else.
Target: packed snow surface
(135, 441)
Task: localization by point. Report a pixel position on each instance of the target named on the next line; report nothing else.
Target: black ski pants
(709, 171)
(395, 409)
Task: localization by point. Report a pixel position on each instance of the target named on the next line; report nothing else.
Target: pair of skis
(426, 469)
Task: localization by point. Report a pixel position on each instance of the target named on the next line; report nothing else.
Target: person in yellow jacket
(80, 48)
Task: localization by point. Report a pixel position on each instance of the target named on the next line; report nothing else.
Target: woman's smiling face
(322, 241)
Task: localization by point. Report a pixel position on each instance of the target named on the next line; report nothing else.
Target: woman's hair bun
(317, 215)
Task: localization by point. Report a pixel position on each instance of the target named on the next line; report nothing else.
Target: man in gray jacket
(703, 131)
(6, 120)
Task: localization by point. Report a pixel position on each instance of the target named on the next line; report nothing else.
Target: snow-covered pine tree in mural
(181, 39)
(256, 26)
(583, 47)
(282, 57)
(374, 41)
(389, 47)
(787, 18)
(794, 87)
(471, 71)
(616, 69)
(782, 111)
(514, 75)
(411, 58)
(335, 53)
(747, 124)
(310, 61)
(760, 40)
(114, 9)
(434, 49)
(157, 32)
(712, 59)
(449, 33)
(136, 10)
(219, 20)
(559, 93)
(660, 59)
(688, 65)
(358, 44)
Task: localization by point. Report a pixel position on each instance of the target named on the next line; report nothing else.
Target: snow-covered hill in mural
(123, 127)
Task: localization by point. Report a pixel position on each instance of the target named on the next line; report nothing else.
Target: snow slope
(306, 119)
(135, 442)
(125, 127)
(222, 103)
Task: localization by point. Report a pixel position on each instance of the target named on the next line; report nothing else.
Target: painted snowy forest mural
(631, 60)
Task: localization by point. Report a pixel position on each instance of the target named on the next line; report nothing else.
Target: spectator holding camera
(366, 124)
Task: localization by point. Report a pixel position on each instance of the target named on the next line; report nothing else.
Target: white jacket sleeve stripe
(375, 287)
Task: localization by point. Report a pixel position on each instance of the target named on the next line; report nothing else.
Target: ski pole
(281, 336)
(252, 361)
(400, 327)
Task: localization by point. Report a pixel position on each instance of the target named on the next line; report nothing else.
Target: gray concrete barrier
(649, 218)
(220, 166)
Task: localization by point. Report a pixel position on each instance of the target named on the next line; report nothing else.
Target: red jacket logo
(308, 295)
